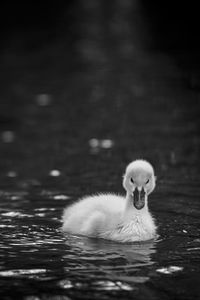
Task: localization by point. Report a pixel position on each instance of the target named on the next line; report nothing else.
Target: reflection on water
(100, 260)
(18, 273)
(169, 270)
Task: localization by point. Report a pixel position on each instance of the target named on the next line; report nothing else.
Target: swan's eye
(132, 180)
(147, 181)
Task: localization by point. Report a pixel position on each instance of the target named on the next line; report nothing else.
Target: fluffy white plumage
(109, 216)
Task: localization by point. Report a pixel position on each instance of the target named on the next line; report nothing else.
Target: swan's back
(104, 208)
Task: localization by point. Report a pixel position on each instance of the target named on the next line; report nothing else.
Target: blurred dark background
(86, 86)
(173, 27)
(122, 71)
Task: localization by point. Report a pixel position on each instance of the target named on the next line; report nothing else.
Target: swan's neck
(130, 210)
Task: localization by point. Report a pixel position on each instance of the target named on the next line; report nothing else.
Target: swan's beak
(139, 198)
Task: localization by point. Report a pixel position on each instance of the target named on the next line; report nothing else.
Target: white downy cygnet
(109, 216)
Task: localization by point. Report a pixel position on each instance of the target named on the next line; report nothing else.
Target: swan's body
(109, 216)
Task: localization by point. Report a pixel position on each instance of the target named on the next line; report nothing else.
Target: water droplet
(41, 209)
(19, 272)
(40, 214)
(110, 285)
(107, 144)
(13, 214)
(193, 249)
(7, 226)
(124, 286)
(105, 285)
(61, 197)
(11, 174)
(15, 197)
(94, 143)
(54, 173)
(66, 284)
(169, 270)
(43, 99)
(8, 136)
(97, 144)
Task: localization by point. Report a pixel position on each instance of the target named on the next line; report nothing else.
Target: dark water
(39, 262)
(69, 125)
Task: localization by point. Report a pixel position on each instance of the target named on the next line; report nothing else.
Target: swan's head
(139, 181)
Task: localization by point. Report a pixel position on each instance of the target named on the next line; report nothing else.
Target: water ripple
(14, 214)
(33, 247)
(170, 270)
